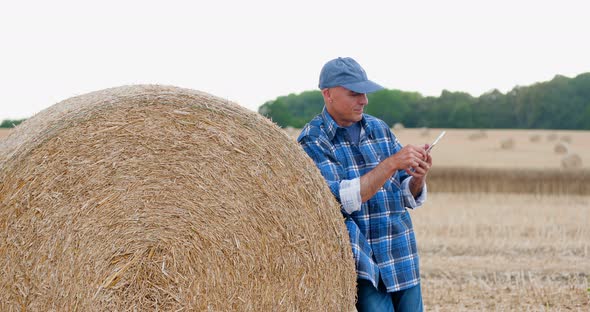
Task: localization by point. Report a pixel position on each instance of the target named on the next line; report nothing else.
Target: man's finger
(412, 173)
(420, 171)
(423, 163)
(417, 154)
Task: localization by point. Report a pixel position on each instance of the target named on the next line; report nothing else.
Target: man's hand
(419, 168)
(413, 159)
(419, 173)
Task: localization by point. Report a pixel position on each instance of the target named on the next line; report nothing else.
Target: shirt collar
(331, 126)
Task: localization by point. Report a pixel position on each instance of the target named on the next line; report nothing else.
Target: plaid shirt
(381, 232)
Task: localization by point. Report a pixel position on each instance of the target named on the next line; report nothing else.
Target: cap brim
(363, 87)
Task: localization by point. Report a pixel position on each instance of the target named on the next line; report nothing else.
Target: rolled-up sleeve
(350, 195)
(409, 200)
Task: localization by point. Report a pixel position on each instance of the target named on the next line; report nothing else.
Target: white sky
(253, 51)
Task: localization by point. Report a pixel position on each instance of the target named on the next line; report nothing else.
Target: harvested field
(456, 150)
(509, 252)
(4, 133)
(483, 166)
(510, 180)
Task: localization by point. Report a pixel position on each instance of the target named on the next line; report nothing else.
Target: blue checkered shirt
(381, 232)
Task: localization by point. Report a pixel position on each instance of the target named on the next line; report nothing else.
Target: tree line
(10, 123)
(561, 103)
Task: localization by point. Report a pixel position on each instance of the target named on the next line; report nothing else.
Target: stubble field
(502, 251)
(4, 133)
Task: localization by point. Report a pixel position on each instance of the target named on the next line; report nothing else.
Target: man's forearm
(374, 179)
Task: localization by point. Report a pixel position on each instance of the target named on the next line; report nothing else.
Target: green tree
(561, 103)
(10, 123)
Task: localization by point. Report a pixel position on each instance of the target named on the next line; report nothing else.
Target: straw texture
(158, 198)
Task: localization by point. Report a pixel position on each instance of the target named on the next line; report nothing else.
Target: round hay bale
(571, 161)
(424, 131)
(561, 148)
(159, 198)
(535, 138)
(551, 137)
(507, 144)
(481, 134)
(566, 138)
(398, 126)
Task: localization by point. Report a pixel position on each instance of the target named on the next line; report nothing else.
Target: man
(375, 179)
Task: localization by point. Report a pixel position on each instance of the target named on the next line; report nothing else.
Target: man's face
(345, 106)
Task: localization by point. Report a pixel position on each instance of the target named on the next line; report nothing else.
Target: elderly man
(375, 179)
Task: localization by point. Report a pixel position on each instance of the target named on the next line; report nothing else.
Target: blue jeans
(377, 300)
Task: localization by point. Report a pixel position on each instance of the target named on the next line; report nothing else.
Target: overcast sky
(253, 51)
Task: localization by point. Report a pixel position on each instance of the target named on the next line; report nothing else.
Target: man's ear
(326, 93)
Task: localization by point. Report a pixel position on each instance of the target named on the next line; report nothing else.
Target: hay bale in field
(561, 148)
(507, 143)
(571, 161)
(551, 137)
(535, 138)
(398, 126)
(160, 198)
(481, 134)
(566, 138)
(424, 131)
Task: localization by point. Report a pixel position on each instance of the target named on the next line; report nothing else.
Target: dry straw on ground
(509, 180)
(504, 252)
(159, 198)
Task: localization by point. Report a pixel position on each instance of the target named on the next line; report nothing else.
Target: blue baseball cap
(346, 72)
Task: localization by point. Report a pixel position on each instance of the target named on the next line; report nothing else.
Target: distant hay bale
(424, 131)
(398, 126)
(561, 148)
(571, 161)
(145, 198)
(535, 138)
(507, 144)
(551, 137)
(480, 134)
(566, 138)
